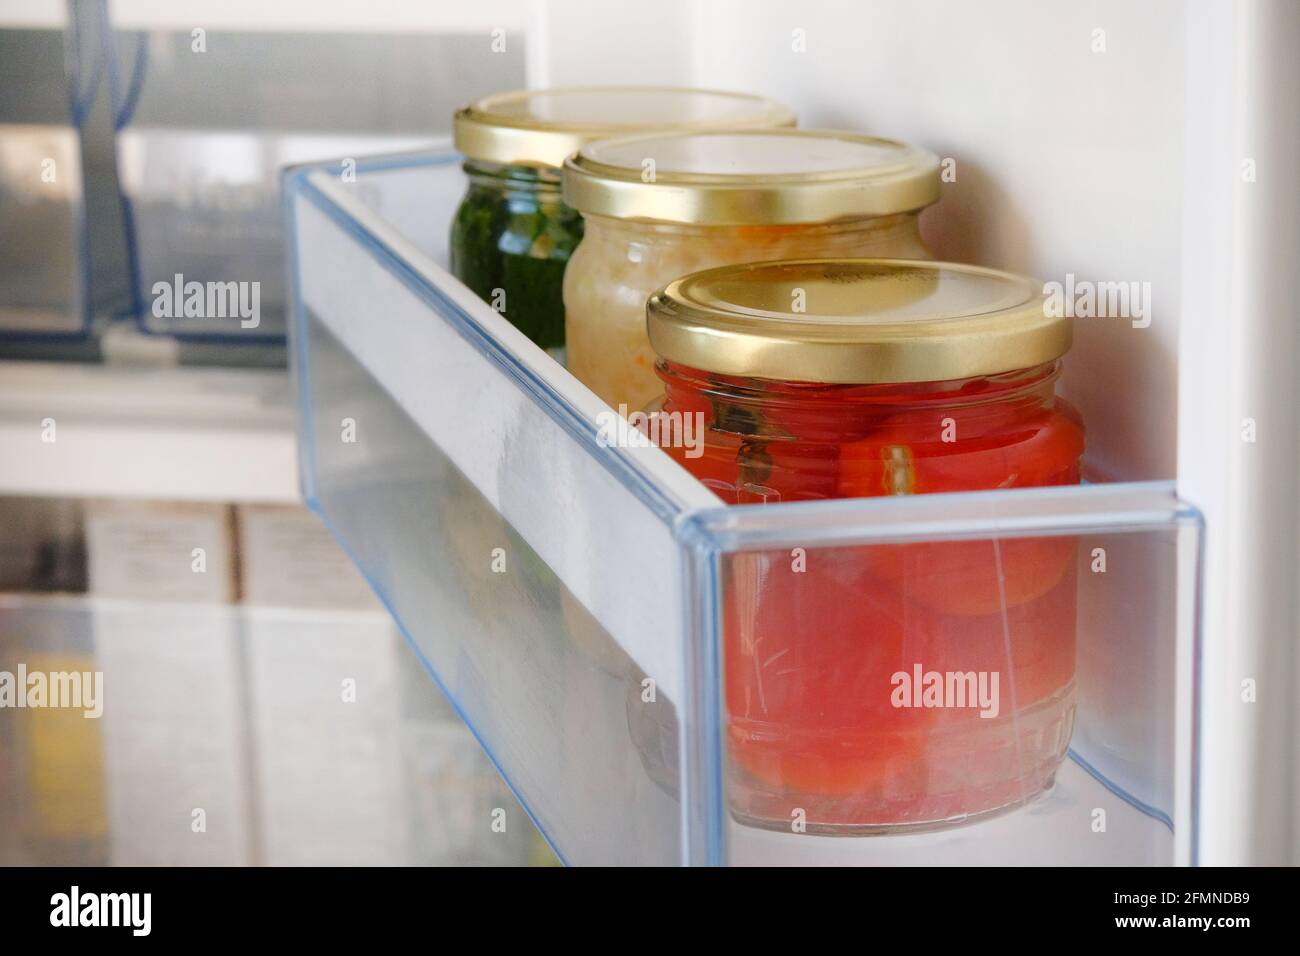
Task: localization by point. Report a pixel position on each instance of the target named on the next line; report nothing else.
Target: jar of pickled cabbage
(658, 207)
(513, 234)
(883, 685)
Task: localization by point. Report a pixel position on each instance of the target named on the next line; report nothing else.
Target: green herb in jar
(510, 241)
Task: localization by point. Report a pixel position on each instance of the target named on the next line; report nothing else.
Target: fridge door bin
(665, 680)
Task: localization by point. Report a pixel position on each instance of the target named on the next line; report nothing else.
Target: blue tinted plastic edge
(1198, 691)
(700, 736)
(1155, 813)
(726, 524)
(299, 368)
(419, 159)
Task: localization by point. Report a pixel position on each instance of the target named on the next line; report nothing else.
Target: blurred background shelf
(241, 736)
(194, 434)
(379, 16)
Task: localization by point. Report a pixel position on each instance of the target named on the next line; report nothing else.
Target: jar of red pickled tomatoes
(873, 687)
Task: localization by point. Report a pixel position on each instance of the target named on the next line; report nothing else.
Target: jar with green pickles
(512, 235)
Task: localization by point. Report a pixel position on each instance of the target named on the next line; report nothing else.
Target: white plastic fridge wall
(1118, 142)
(1060, 125)
(545, 579)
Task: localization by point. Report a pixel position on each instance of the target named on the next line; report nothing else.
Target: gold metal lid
(750, 177)
(864, 321)
(542, 127)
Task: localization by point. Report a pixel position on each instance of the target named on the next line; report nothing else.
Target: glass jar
(899, 378)
(510, 241)
(512, 235)
(658, 207)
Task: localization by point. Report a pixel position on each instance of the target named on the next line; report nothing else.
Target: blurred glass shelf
(195, 434)
(240, 736)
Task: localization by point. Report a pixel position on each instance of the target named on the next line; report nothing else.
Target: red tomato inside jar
(886, 685)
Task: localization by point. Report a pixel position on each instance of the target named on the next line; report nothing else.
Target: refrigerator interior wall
(1146, 144)
(1239, 416)
(1064, 160)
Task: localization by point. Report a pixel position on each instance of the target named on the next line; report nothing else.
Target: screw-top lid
(855, 321)
(542, 127)
(750, 177)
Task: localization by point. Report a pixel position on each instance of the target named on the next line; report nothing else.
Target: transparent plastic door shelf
(665, 680)
(200, 140)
